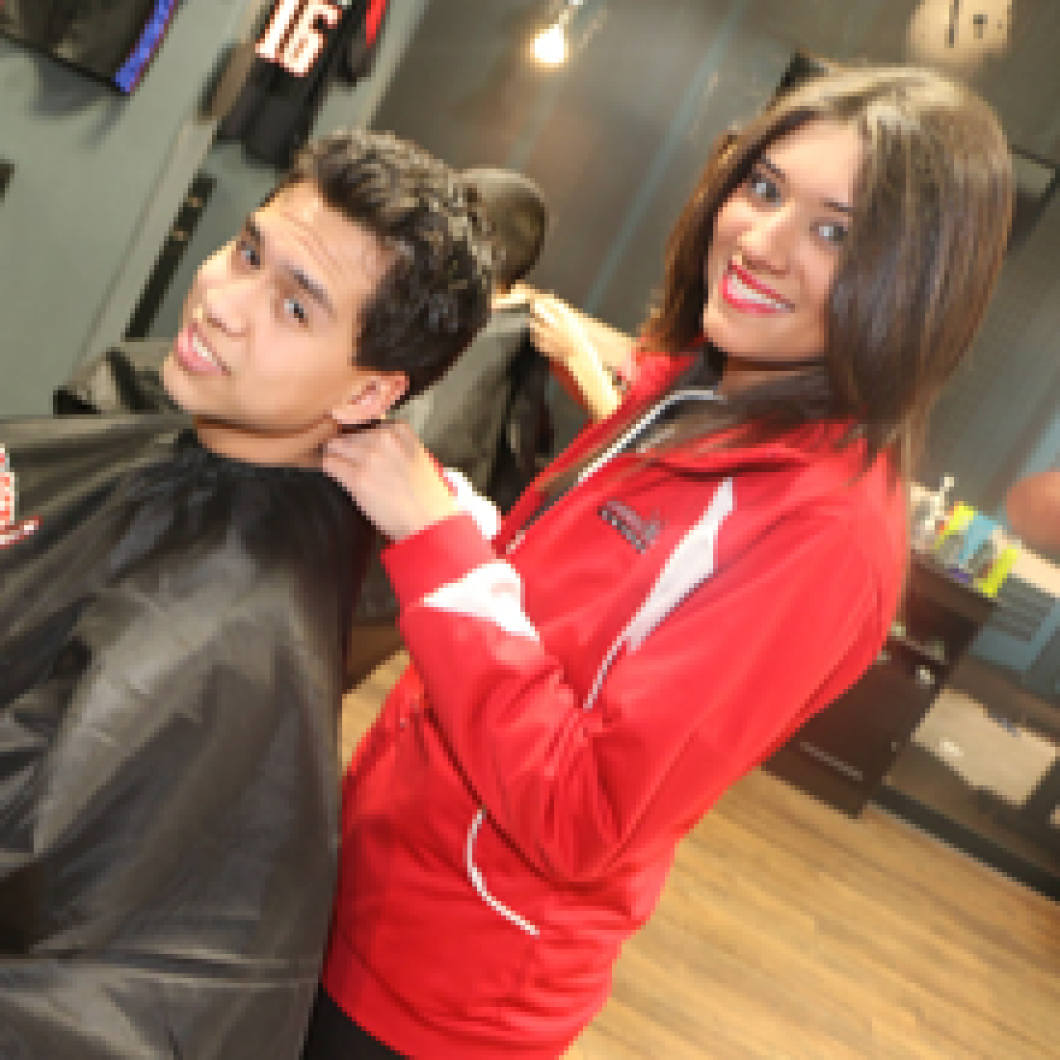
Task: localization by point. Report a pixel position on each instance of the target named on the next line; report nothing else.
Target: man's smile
(195, 355)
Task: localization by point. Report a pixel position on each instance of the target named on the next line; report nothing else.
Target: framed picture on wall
(112, 41)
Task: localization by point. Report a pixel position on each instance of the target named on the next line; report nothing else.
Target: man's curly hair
(436, 294)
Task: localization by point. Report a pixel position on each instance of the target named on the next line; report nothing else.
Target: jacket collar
(798, 447)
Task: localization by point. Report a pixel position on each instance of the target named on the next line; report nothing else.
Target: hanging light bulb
(550, 45)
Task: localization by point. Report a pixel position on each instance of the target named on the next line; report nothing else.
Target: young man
(174, 607)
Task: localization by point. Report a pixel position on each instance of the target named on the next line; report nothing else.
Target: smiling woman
(692, 580)
(926, 171)
(775, 251)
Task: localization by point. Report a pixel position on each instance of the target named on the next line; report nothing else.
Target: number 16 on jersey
(293, 38)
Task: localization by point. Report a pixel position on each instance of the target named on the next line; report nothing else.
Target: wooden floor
(789, 931)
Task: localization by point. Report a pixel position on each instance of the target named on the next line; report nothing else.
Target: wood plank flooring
(790, 932)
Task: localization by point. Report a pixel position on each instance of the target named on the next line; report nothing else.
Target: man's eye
(247, 253)
(294, 309)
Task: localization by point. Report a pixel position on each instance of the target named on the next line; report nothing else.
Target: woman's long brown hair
(932, 209)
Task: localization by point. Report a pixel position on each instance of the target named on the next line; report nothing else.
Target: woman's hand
(560, 333)
(391, 477)
(553, 329)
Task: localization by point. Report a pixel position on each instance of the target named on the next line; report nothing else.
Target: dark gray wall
(98, 179)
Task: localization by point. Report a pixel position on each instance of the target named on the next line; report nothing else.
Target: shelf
(934, 582)
(842, 754)
(918, 651)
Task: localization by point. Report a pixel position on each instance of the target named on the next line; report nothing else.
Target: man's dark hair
(518, 214)
(436, 294)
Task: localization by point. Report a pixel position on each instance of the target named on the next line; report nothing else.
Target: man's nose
(227, 304)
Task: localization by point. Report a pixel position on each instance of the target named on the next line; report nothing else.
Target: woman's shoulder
(820, 476)
(865, 506)
(839, 475)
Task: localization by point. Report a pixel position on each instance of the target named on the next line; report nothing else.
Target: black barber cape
(171, 645)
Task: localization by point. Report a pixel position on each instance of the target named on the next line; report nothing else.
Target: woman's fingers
(391, 477)
(551, 330)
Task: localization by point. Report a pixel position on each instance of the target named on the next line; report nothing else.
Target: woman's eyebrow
(783, 178)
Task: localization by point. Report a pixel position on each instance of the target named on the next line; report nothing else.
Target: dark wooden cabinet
(842, 754)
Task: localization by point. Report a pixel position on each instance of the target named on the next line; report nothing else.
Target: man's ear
(374, 397)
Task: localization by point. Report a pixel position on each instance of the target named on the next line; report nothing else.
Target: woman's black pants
(332, 1035)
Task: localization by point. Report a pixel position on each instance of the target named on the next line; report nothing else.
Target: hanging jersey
(304, 46)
